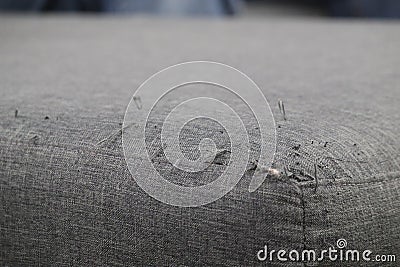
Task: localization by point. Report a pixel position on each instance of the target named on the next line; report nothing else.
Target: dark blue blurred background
(338, 8)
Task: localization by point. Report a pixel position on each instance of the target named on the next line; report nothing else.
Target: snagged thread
(138, 101)
(282, 109)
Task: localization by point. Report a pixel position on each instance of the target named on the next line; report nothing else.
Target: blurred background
(333, 8)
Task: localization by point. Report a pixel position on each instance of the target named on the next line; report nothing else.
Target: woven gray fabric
(67, 197)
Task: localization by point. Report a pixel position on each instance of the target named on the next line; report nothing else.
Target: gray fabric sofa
(67, 197)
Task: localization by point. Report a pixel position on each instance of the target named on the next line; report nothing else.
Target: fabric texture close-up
(67, 196)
